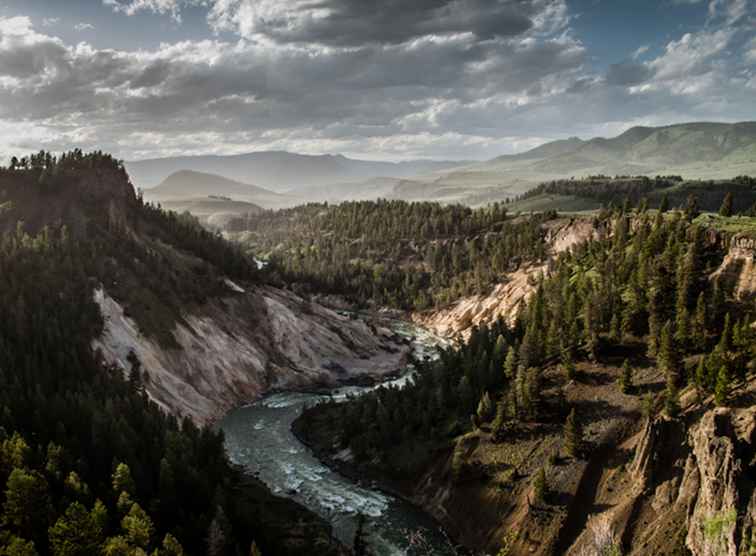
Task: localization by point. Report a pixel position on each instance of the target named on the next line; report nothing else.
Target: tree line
(662, 192)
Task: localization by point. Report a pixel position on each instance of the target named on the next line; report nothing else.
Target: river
(259, 437)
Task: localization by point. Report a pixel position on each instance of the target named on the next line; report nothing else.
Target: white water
(259, 437)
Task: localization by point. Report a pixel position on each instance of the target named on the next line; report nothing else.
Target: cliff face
(693, 488)
(738, 269)
(515, 288)
(236, 348)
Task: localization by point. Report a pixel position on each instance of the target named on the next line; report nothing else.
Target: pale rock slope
(235, 349)
(739, 267)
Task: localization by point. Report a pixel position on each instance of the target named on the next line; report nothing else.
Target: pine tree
(573, 435)
(701, 379)
(682, 328)
(122, 480)
(722, 389)
(27, 504)
(615, 333)
(499, 422)
(726, 208)
(626, 378)
(171, 547)
(534, 379)
(648, 406)
(716, 311)
(553, 338)
(510, 364)
(593, 345)
(698, 326)
(521, 391)
(691, 208)
(725, 343)
(75, 532)
(485, 408)
(672, 400)
(16, 546)
(669, 356)
(138, 527)
(568, 363)
(500, 348)
(664, 205)
(539, 487)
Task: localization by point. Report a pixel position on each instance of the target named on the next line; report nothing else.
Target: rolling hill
(213, 211)
(700, 150)
(282, 171)
(187, 186)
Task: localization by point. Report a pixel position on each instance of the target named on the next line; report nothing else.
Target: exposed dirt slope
(234, 349)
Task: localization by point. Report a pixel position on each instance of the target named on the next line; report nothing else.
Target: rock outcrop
(738, 268)
(692, 489)
(237, 348)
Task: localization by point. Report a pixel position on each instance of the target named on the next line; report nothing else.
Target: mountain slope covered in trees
(393, 253)
(664, 192)
(514, 438)
(88, 462)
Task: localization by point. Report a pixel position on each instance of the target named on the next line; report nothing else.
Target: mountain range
(694, 150)
(282, 171)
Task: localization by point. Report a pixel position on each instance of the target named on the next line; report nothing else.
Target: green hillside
(701, 150)
(597, 191)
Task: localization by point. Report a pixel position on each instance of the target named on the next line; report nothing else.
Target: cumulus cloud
(131, 7)
(460, 78)
(83, 26)
(627, 73)
(346, 22)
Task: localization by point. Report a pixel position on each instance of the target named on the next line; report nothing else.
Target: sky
(373, 79)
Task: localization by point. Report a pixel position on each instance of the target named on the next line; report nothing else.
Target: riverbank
(314, 428)
(286, 527)
(260, 438)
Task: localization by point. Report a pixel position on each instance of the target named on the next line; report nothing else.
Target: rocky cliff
(692, 487)
(235, 349)
(738, 269)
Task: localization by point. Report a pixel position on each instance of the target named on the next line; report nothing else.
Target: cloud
(350, 23)
(50, 21)
(462, 78)
(163, 7)
(82, 26)
(750, 51)
(627, 73)
(640, 51)
(729, 11)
